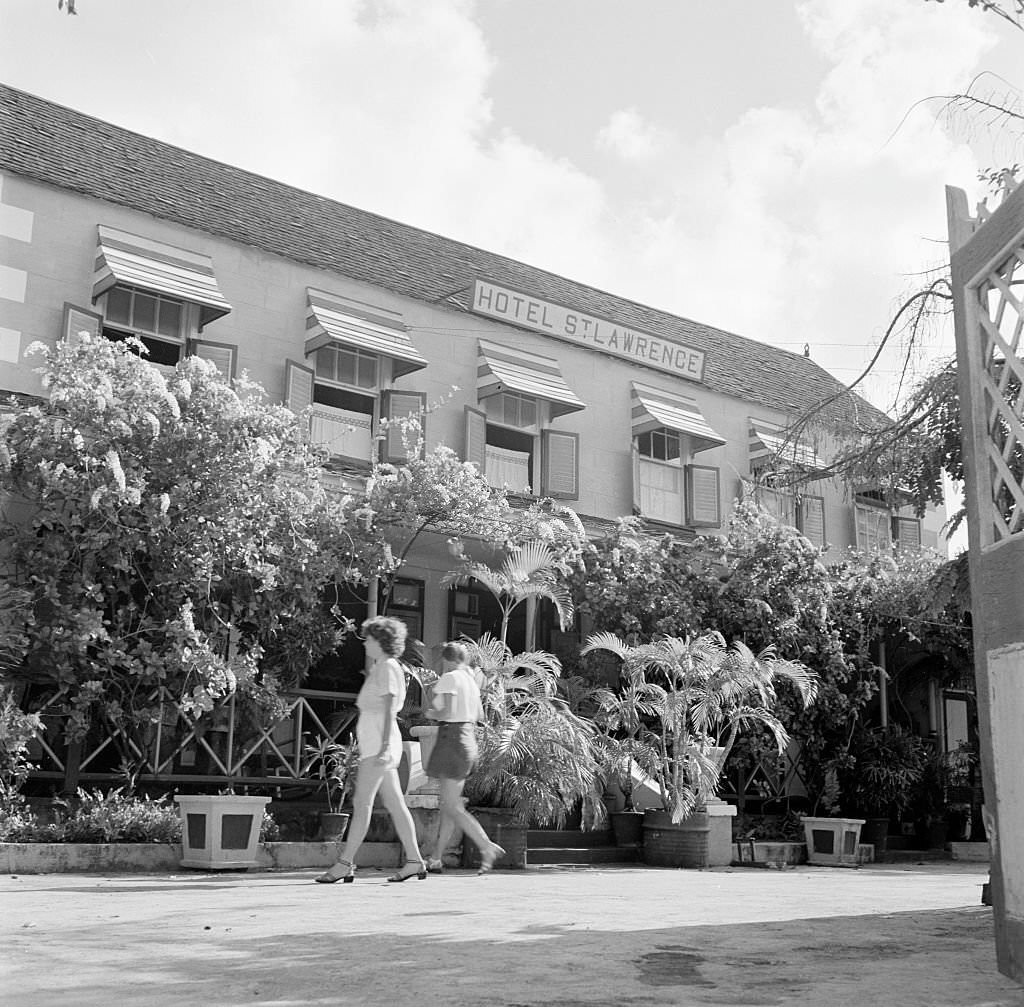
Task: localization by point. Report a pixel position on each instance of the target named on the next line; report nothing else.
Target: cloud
(792, 224)
(629, 136)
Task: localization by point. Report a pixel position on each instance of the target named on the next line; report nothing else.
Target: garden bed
(159, 858)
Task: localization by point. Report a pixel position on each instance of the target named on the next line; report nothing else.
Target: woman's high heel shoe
(329, 877)
(404, 874)
(488, 858)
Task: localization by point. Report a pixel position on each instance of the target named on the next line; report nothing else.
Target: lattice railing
(1001, 322)
(220, 747)
(766, 780)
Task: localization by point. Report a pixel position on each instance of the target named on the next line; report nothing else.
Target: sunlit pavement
(874, 936)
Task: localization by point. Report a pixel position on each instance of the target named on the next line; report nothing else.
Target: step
(583, 855)
(891, 856)
(568, 838)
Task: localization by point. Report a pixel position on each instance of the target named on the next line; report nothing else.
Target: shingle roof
(61, 147)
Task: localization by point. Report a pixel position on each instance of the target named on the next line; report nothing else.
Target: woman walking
(457, 708)
(380, 750)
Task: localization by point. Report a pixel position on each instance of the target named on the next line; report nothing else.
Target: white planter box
(220, 831)
(832, 842)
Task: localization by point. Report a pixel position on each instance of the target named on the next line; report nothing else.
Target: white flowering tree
(178, 537)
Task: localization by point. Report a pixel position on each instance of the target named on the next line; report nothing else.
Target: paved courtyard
(878, 936)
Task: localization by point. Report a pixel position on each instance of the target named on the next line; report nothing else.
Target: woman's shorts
(455, 752)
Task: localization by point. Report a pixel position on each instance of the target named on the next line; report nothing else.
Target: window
(344, 400)
(668, 429)
(512, 410)
(802, 511)
(660, 445)
(406, 603)
(512, 431)
(508, 436)
(522, 459)
(668, 489)
(341, 391)
(660, 476)
(343, 366)
(873, 527)
(158, 321)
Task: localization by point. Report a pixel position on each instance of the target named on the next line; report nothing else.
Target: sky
(775, 169)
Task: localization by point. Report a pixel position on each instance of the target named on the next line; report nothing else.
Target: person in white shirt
(457, 708)
(380, 751)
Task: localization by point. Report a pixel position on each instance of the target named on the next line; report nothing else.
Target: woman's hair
(455, 652)
(389, 633)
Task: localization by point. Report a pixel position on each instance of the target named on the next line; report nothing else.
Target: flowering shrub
(182, 539)
(114, 818)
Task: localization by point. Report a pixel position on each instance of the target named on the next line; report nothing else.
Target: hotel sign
(631, 344)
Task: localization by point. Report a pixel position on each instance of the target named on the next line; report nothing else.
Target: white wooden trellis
(987, 267)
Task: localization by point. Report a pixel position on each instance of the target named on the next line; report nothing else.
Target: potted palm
(537, 762)
(702, 694)
(626, 748)
(930, 803)
(888, 762)
(335, 765)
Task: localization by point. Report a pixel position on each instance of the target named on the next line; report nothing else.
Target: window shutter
(398, 405)
(703, 503)
(812, 520)
(560, 469)
(298, 386)
(637, 508)
(78, 320)
(476, 438)
(224, 356)
(907, 533)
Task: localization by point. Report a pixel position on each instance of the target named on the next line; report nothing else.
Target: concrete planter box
(833, 842)
(704, 839)
(220, 831)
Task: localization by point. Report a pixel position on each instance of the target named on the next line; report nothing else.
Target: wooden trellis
(275, 754)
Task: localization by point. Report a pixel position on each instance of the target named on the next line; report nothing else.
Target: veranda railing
(222, 748)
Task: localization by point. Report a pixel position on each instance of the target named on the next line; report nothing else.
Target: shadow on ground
(942, 958)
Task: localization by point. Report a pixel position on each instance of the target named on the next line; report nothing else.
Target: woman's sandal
(435, 866)
(488, 858)
(330, 878)
(404, 874)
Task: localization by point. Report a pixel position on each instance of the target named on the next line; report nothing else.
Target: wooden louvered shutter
(224, 356)
(703, 502)
(298, 386)
(637, 507)
(560, 465)
(812, 520)
(397, 405)
(78, 320)
(476, 438)
(907, 533)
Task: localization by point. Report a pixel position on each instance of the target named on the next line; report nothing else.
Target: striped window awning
(130, 260)
(653, 409)
(509, 369)
(332, 318)
(769, 442)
